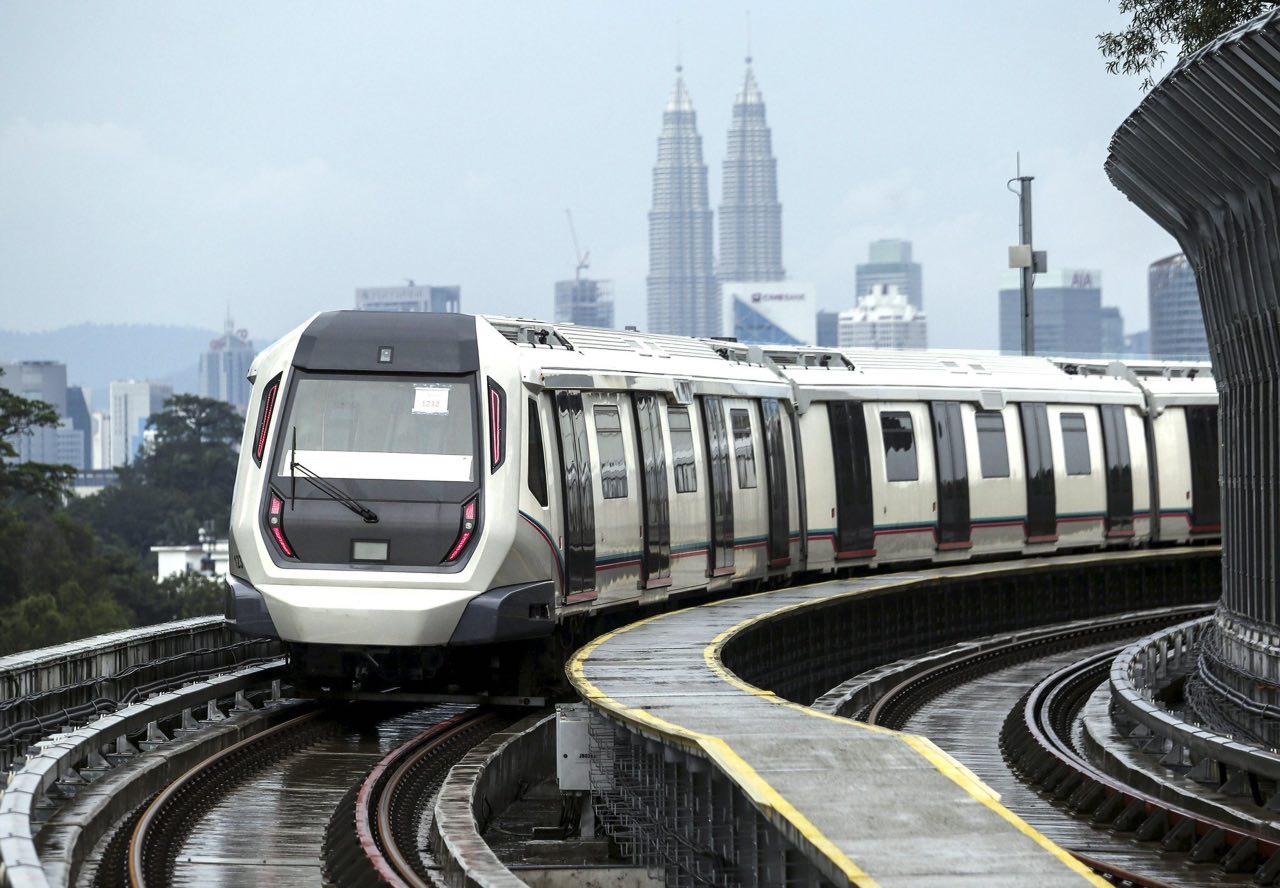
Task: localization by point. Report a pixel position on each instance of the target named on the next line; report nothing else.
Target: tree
(183, 479)
(22, 416)
(1157, 24)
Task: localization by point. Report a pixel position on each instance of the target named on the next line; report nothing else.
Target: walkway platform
(881, 807)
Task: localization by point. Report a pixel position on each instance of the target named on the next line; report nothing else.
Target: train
(419, 495)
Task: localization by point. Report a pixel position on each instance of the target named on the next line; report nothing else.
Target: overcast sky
(161, 160)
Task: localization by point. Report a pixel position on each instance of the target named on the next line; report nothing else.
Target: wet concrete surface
(269, 829)
(966, 723)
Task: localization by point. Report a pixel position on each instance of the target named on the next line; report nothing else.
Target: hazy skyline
(158, 162)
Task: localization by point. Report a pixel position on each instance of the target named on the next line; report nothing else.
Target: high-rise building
(683, 298)
(61, 444)
(37, 381)
(883, 318)
(828, 329)
(889, 264)
(1177, 322)
(1068, 314)
(133, 402)
(410, 297)
(1112, 331)
(79, 416)
(224, 368)
(585, 302)
(768, 312)
(750, 215)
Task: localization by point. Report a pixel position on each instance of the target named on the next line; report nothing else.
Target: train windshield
(386, 428)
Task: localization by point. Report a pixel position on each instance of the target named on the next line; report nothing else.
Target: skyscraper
(224, 368)
(1068, 313)
(584, 301)
(682, 288)
(1177, 324)
(750, 215)
(889, 264)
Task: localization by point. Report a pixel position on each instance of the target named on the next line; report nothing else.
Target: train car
(419, 495)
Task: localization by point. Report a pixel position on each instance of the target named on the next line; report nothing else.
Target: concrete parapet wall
(1201, 156)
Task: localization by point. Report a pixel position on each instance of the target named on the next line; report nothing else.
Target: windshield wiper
(335, 493)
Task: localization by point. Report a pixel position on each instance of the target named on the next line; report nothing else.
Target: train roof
(563, 355)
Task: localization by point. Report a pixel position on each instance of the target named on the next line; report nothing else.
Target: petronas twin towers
(683, 280)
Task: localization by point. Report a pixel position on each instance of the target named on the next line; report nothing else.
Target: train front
(376, 502)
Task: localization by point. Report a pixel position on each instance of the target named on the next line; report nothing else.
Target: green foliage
(181, 482)
(21, 416)
(72, 571)
(1157, 24)
(191, 595)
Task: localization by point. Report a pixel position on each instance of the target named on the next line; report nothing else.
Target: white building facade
(133, 402)
(884, 318)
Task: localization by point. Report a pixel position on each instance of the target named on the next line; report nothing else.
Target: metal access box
(573, 752)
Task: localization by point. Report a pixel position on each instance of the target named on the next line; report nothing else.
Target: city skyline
(125, 201)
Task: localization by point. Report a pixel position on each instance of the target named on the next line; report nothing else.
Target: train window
(613, 455)
(537, 459)
(682, 450)
(993, 448)
(899, 447)
(1075, 444)
(743, 448)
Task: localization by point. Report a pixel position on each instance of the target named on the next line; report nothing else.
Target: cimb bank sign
(786, 305)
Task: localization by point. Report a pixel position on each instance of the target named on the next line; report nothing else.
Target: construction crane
(581, 257)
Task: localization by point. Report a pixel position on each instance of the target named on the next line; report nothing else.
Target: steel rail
(388, 803)
(896, 706)
(1035, 740)
(165, 821)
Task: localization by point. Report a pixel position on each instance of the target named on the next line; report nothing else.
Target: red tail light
(467, 531)
(264, 421)
(276, 520)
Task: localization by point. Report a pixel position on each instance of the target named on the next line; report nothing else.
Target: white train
(416, 485)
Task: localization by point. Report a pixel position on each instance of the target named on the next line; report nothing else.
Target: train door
(750, 491)
(1042, 501)
(775, 462)
(578, 497)
(1202, 443)
(855, 508)
(719, 489)
(656, 556)
(688, 512)
(1115, 445)
(952, 462)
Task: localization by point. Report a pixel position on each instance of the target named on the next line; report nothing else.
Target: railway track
(299, 801)
(1052, 707)
(1037, 742)
(896, 706)
(378, 833)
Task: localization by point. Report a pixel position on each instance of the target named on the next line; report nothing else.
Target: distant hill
(95, 354)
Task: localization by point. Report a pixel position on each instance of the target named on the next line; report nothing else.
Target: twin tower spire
(683, 281)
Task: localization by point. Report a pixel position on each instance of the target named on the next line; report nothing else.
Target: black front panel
(403, 449)
(855, 514)
(1042, 499)
(1202, 442)
(1115, 445)
(656, 563)
(952, 464)
(577, 495)
(719, 489)
(775, 461)
(389, 342)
